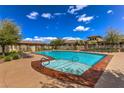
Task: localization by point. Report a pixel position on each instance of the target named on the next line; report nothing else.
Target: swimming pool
(71, 62)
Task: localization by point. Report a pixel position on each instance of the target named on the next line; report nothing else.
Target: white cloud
(74, 9)
(81, 28)
(49, 39)
(28, 39)
(47, 15)
(33, 15)
(57, 14)
(71, 38)
(109, 11)
(84, 18)
(41, 39)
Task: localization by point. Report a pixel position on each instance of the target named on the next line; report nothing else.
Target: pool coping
(88, 52)
(88, 78)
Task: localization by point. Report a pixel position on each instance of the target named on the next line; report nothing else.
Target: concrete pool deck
(113, 76)
(19, 73)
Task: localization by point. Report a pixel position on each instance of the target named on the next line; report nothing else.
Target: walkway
(19, 73)
(113, 77)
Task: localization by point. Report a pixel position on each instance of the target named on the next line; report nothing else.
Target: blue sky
(45, 23)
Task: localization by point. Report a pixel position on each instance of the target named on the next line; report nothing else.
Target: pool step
(67, 66)
(75, 68)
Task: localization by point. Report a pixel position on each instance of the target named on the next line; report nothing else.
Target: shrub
(12, 55)
(9, 53)
(15, 56)
(7, 58)
(20, 53)
(103, 49)
(1, 56)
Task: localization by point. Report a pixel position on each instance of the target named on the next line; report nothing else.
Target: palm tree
(9, 33)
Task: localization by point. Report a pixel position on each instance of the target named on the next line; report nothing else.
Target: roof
(94, 37)
(30, 42)
(69, 41)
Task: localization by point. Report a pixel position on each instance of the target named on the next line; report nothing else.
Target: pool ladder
(48, 62)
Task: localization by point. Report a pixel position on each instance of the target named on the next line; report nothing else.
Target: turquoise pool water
(71, 62)
(67, 66)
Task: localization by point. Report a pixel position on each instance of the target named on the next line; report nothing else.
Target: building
(72, 44)
(95, 38)
(99, 42)
(94, 41)
(26, 46)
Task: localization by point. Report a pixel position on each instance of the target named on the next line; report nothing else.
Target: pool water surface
(71, 62)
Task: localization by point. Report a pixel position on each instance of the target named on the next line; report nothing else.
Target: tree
(9, 33)
(56, 43)
(78, 43)
(81, 42)
(112, 37)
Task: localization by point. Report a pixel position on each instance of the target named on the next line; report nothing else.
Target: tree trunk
(3, 50)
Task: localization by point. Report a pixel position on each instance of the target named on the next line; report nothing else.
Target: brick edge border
(88, 78)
